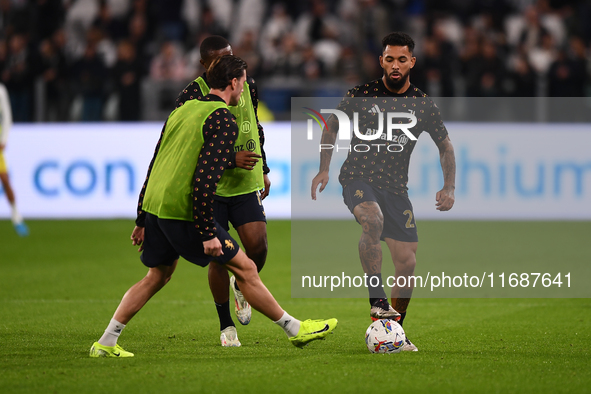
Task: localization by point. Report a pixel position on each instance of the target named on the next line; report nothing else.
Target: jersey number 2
(409, 223)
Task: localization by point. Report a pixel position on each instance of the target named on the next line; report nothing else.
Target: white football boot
(229, 337)
(242, 307)
(409, 346)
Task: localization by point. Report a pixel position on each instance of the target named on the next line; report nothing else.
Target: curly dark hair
(398, 39)
(223, 70)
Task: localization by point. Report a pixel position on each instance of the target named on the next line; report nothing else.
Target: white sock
(16, 216)
(112, 333)
(290, 325)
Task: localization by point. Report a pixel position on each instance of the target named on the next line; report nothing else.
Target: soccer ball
(384, 336)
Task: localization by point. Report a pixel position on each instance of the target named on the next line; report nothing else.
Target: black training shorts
(167, 239)
(238, 210)
(399, 221)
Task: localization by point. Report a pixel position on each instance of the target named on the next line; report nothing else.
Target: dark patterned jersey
(384, 162)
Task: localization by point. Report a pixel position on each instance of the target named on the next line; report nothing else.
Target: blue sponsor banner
(504, 171)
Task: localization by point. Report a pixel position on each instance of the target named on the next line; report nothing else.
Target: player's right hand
(320, 179)
(137, 237)
(246, 160)
(213, 247)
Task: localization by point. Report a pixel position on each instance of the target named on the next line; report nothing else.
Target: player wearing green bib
(237, 199)
(175, 211)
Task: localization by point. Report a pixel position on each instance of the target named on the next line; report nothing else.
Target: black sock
(224, 315)
(375, 287)
(402, 316)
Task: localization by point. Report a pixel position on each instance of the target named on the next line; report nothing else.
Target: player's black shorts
(399, 221)
(167, 239)
(238, 210)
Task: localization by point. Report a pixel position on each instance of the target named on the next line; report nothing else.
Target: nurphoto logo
(397, 141)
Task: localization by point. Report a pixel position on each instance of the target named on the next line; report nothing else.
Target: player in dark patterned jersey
(175, 211)
(237, 200)
(375, 175)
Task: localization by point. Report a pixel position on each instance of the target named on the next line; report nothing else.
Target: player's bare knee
(249, 273)
(259, 256)
(256, 249)
(158, 278)
(405, 265)
(242, 267)
(163, 280)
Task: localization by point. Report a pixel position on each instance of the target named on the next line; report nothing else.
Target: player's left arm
(254, 96)
(445, 197)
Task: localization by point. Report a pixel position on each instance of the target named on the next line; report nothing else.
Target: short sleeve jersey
(384, 163)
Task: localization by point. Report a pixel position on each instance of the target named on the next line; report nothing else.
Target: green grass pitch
(60, 286)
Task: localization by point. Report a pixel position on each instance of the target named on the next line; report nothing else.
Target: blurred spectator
(90, 75)
(565, 76)
(140, 8)
(469, 58)
(79, 17)
(438, 75)
(275, 29)
(522, 78)
(348, 67)
(15, 17)
(169, 20)
(370, 26)
(491, 71)
(311, 68)
(168, 64)
(327, 48)
(210, 26)
(247, 50)
(541, 57)
(138, 37)
(127, 75)
(532, 31)
(579, 57)
(53, 72)
(222, 12)
(287, 60)
(105, 48)
(551, 19)
(313, 25)
(17, 75)
(47, 17)
(248, 17)
(487, 28)
(113, 27)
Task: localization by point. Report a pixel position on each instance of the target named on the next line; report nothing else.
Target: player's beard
(396, 85)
